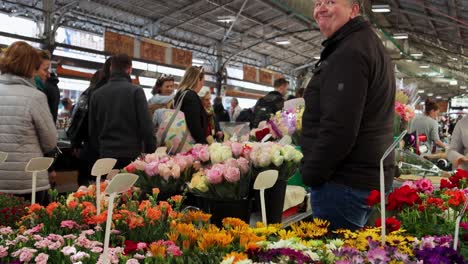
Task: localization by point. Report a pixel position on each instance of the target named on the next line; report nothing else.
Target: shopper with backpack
(270, 103)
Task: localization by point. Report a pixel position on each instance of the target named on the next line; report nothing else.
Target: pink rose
(243, 165)
(70, 224)
(164, 171)
(151, 158)
(41, 258)
(215, 174)
(237, 149)
(231, 163)
(3, 251)
(204, 154)
(151, 169)
(232, 174)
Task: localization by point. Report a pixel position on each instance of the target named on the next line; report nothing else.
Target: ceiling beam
(397, 4)
(430, 18)
(453, 12)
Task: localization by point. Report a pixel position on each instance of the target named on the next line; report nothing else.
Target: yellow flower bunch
(401, 97)
(193, 216)
(218, 240)
(185, 233)
(234, 257)
(311, 230)
(261, 229)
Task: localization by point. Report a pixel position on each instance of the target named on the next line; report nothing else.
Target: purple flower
(439, 255)
(377, 255)
(278, 253)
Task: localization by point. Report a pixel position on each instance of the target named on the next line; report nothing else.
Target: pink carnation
(3, 251)
(425, 186)
(34, 229)
(70, 224)
(25, 254)
(67, 251)
(151, 169)
(96, 249)
(232, 174)
(175, 171)
(215, 174)
(132, 261)
(6, 231)
(41, 258)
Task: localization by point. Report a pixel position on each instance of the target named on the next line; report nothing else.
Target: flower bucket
(220, 209)
(274, 201)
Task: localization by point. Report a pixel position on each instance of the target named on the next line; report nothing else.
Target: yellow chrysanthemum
(311, 230)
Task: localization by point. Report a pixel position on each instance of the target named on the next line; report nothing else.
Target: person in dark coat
(119, 122)
(52, 92)
(195, 114)
(348, 117)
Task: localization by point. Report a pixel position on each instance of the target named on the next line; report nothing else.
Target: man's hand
(460, 161)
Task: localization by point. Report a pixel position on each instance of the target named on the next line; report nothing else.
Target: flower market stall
(196, 207)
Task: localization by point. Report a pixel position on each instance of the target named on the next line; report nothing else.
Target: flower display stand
(220, 209)
(36, 165)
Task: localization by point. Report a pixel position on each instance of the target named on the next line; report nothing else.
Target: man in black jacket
(271, 103)
(348, 118)
(119, 122)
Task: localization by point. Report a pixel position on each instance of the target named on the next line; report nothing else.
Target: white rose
(277, 159)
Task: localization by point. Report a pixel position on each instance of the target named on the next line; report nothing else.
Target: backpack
(265, 107)
(78, 129)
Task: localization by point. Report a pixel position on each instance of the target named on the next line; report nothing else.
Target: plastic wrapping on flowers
(410, 163)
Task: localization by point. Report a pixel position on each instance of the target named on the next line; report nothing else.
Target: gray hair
(360, 3)
(235, 100)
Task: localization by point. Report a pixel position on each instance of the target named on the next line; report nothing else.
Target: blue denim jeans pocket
(343, 206)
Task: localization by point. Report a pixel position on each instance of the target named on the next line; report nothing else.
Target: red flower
(445, 184)
(130, 247)
(260, 134)
(402, 196)
(373, 198)
(391, 223)
(130, 168)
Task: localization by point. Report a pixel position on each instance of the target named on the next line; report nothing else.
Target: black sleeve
(93, 123)
(144, 121)
(53, 97)
(343, 91)
(192, 108)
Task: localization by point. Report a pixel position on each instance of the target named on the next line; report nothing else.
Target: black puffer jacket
(348, 119)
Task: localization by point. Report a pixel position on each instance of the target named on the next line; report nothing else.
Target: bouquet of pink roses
(168, 173)
(228, 180)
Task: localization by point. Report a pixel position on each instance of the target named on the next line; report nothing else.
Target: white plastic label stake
(382, 184)
(266, 138)
(265, 180)
(457, 224)
(36, 165)
(3, 156)
(119, 183)
(161, 151)
(101, 167)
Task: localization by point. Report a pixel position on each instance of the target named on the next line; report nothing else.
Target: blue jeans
(343, 206)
